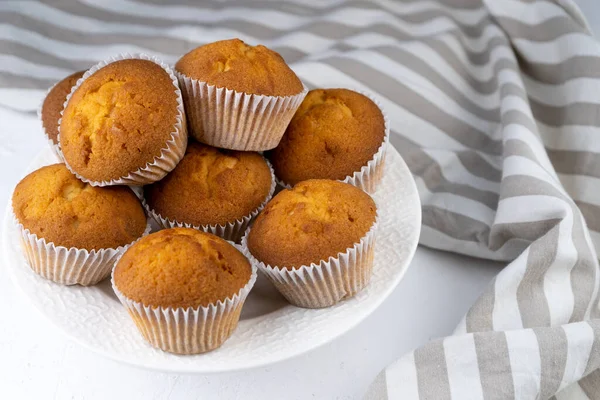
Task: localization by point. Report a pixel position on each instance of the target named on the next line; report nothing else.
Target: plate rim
(184, 369)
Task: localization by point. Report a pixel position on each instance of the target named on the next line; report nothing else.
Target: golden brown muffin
(332, 135)
(211, 186)
(54, 103)
(233, 64)
(181, 267)
(119, 119)
(53, 204)
(313, 221)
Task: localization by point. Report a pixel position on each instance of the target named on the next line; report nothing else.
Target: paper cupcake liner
(235, 120)
(69, 266)
(232, 231)
(369, 176)
(188, 330)
(55, 150)
(327, 283)
(169, 156)
(54, 147)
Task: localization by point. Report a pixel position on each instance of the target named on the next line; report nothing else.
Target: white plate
(270, 330)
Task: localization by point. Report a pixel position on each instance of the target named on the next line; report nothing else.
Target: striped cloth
(495, 106)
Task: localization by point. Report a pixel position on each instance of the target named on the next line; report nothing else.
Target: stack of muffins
(121, 128)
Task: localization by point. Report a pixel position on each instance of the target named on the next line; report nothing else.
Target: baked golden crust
(54, 103)
(181, 267)
(313, 221)
(211, 186)
(233, 64)
(119, 119)
(53, 204)
(332, 135)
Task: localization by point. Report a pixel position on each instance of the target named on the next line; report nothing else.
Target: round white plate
(270, 329)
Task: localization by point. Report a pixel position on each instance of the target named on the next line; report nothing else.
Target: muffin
(235, 65)
(198, 281)
(315, 242)
(124, 123)
(238, 96)
(49, 112)
(214, 190)
(335, 134)
(72, 232)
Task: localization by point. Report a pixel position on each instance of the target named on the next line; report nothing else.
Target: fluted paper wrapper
(369, 176)
(188, 330)
(170, 155)
(235, 120)
(53, 146)
(327, 283)
(69, 266)
(232, 231)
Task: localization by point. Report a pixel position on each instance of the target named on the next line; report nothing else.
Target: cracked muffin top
(54, 103)
(53, 204)
(233, 64)
(119, 119)
(181, 267)
(211, 186)
(313, 221)
(332, 135)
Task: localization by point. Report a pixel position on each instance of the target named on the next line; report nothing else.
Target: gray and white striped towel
(495, 106)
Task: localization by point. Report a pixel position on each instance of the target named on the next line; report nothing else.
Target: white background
(38, 362)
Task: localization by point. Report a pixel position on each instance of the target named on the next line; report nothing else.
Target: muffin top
(181, 267)
(332, 135)
(315, 220)
(119, 119)
(54, 102)
(53, 204)
(233, 64)
(211, 186)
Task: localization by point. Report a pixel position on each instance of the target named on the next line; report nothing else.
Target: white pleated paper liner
(370, 174)
(235, 120)
(53, 146)
(170, 155)
(327, 283)
(69, 266)
(188, 330)
(232, 231)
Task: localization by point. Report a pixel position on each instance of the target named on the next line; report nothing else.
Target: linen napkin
(508, 170)
(495, 107)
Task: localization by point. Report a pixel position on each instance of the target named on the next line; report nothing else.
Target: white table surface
(38, 362)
